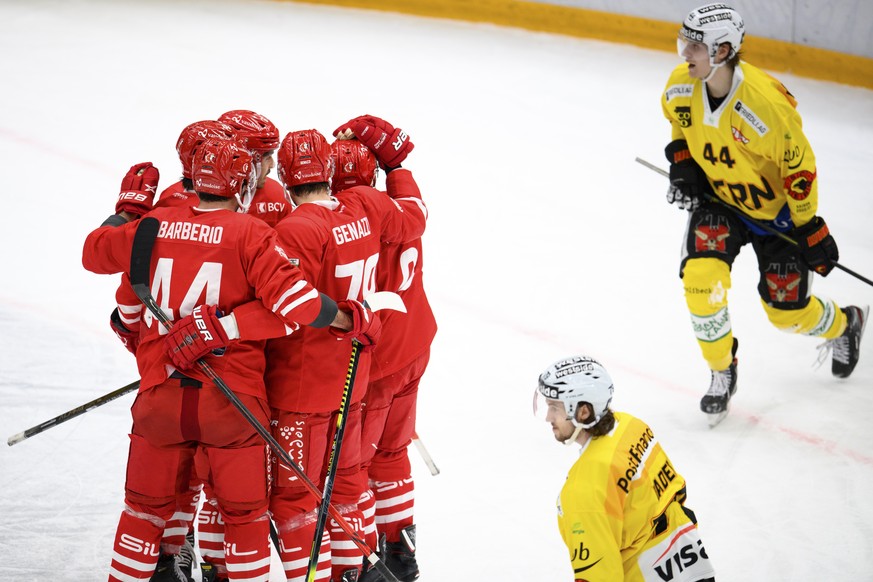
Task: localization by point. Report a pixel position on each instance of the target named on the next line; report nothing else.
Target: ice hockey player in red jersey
(262, 139)
(192, 137)
(336, 240)
(205, 259)
(398, 363)
(177, 546)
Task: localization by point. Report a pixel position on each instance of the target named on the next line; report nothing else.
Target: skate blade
(716, 418)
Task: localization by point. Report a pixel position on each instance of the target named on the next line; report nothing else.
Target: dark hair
(304, 190)
(210, 197)
(187, 184)
(735, 60)
(604, 425)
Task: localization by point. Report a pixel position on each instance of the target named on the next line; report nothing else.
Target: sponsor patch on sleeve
(674, 91)
(750, 118)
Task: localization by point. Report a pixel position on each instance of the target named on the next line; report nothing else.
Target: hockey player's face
(697, 57)
(556, 415)
(267, 164)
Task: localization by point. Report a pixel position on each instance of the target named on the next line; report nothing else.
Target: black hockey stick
(140, 259)
(333, 461)
(70, 414)
(758, 223)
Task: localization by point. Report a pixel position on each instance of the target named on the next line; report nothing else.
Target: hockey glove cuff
(816, 245)
(138, 190)
(130, 339)
(366, 325)
(688, 182)
(196, 335)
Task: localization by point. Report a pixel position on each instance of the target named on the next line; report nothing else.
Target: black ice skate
(847, 347)
(716, 402)
(398, 556)
(169, 570)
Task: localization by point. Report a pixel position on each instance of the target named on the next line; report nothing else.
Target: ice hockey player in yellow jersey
(738, 152)
(621, 511)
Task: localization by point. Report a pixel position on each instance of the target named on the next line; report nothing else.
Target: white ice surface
(545, 239)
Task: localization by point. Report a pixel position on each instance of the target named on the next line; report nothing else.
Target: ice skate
(846, 348)
(398, 556)
(716, 402)
(169, 570)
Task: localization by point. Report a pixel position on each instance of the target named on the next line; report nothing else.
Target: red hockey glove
(366, 325)
(130, 339)
(688, 182)
(816, 245)
(389, 145)
(138, 189)
(194, 336)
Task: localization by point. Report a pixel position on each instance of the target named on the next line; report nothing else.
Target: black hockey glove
(816, 245)
(688, 182)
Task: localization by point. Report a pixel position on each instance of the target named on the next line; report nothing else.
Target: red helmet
(355, 164)
(304, 158)
(221, 167)
(194, 135)
(258, 131)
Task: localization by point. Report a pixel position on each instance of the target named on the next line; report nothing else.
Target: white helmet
(713, 25)
(574, 380)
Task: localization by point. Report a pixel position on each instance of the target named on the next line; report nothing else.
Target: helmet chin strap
(712, 71)
(574, 436)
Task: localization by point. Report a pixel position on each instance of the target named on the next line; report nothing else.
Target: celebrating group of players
(266, 282)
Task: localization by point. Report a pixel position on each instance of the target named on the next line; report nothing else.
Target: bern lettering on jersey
(191, 231)
(351, 231)
(684, 90)
(637, 454)
(749, 116)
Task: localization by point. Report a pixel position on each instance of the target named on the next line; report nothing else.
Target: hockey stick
(759, 224)
(70, 414)
(140, 259)
(428, 460)
(333, 461)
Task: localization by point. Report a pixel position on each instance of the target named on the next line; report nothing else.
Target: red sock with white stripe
(247, 550)
(345, 554)
(367, 507)
(136, 548)
(394, 506)
(210, 534)
(295, 544)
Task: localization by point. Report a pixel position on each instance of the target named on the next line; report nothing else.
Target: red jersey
(405, 336)
(269, 203)
(216, 257)
(176, 195)
(337, 244)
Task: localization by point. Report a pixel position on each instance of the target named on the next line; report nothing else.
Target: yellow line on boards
(774, 55)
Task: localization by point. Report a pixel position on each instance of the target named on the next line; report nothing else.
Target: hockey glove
(196, 335)
(366, 325)
(688, 182)
(817, 247)
(130, 339)
(389, 145)
(138, 189)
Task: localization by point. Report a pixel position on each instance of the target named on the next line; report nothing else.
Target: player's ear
(584, 413)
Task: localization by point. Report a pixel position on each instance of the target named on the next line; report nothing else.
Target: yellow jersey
(620, 511)
(751, 147)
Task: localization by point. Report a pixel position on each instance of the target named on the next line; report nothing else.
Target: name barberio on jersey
(351, 231)
(191, 231)
(636, 456)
